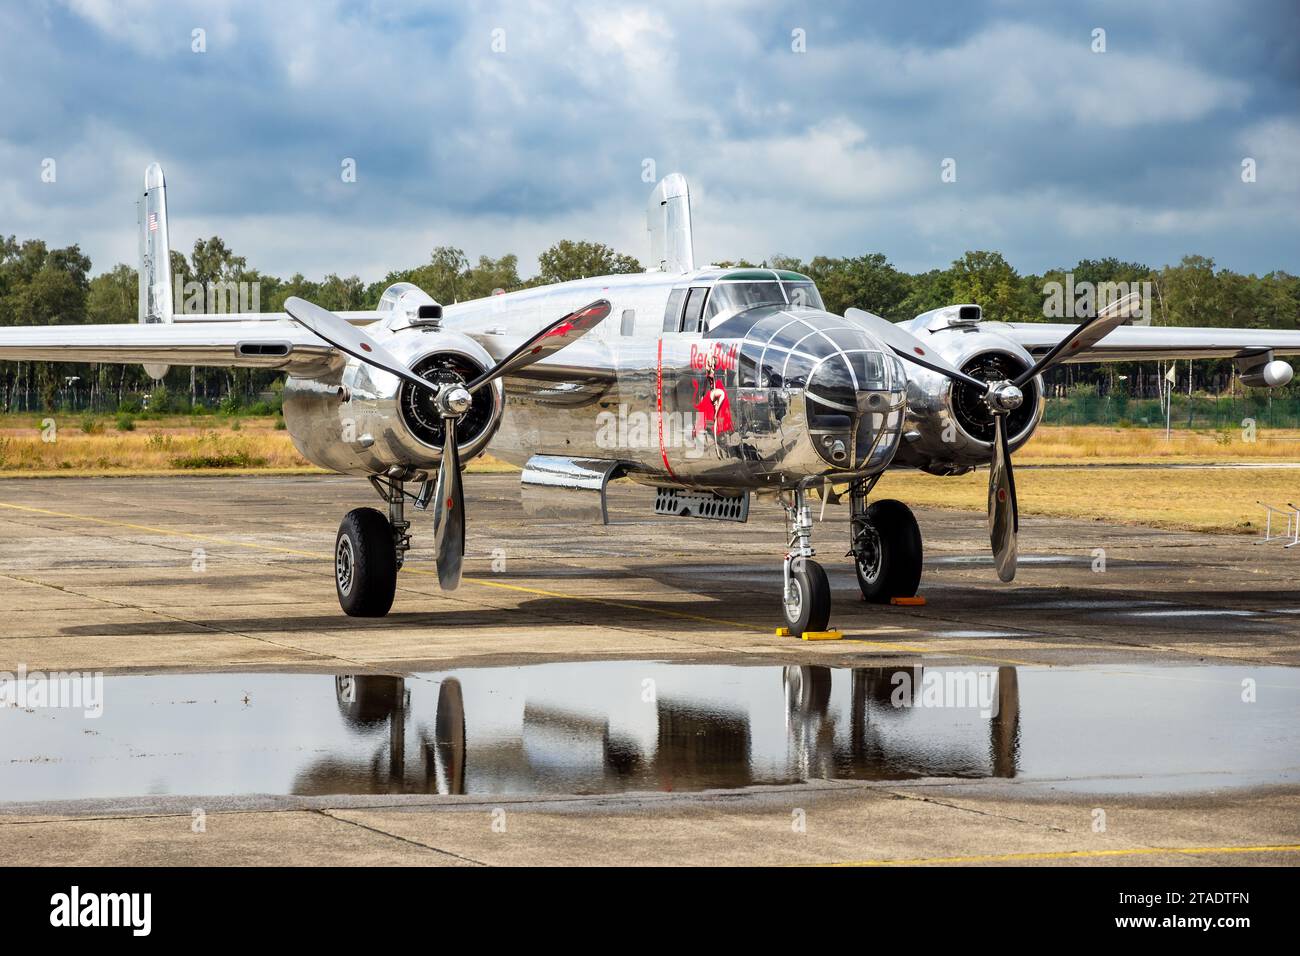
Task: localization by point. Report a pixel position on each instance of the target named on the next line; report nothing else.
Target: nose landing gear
(806, 594)
(885, 547)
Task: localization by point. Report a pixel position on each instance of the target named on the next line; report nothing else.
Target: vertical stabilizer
(155, 255)
(668, 218)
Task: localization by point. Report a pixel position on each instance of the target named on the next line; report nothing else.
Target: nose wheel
(805, 592)
(807, 603)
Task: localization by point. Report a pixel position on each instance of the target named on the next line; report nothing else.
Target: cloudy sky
(504, 127)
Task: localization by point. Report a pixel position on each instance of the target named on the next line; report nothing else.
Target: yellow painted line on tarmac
(680, 615)
(112, 522)
(197, 536)
(1074, 855)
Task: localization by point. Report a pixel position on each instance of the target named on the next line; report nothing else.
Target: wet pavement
(1154, 685)
(203, 573)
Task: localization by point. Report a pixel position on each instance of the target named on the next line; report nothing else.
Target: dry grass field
(101, 445)
(1102, 445)
(1095, 472)
(207, 444)
(1222, 500)
(1212, 499)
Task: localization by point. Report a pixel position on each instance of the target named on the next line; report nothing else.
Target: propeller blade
(560, 333)
(339, 333)
(1085, 335)
(1004, 514)
(908, 346)
(449, 516)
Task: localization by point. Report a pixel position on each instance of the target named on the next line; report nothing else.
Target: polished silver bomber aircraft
(710, 385)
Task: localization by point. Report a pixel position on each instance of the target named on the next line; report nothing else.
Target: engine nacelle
(949, 428)
(1270, 374)
(364, 421)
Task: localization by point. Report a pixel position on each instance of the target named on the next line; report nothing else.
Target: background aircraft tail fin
(156, 304)
(668, 218)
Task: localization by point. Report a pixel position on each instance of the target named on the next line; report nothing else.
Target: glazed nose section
(854, 408)
(832, 393)
(846, 389)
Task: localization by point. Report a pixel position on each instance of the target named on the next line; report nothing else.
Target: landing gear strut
(885, 544)
(369, 551)
(806, 594)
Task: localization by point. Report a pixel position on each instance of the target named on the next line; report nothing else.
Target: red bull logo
(722, 356)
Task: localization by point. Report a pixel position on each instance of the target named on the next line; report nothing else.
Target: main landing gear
(369, 551)
(885, 544)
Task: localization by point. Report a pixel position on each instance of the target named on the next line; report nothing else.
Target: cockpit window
(737, 296)
(694, 308)
(731, 296)
(804, 295)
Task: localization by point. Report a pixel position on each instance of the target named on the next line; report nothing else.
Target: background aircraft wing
(275, 345)
(1133, 342)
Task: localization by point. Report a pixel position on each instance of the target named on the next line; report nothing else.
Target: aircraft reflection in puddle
(487, 731)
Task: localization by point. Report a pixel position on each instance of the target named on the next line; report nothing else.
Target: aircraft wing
(274, 345)
(364, 317)
(1145, 342)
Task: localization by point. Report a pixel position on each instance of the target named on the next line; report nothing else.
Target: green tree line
(43, 286)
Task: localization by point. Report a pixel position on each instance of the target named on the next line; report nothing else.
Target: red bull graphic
(713, 407)
(720, 356)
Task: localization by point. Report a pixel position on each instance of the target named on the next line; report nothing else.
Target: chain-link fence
(1188, 411)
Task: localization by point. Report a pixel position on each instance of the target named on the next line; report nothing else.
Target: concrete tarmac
(179, 574)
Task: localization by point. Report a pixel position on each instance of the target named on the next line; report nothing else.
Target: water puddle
(603, 727)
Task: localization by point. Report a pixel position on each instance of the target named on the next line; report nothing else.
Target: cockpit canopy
(754, 287)
(693, 308)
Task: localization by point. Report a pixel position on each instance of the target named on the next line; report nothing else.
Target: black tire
(809, 607)
(365, 564)
(896, 568)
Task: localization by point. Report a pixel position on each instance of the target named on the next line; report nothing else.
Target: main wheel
(807, 603)
(888, 552)
(365, 564)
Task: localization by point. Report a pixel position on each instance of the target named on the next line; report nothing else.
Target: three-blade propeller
(452, 400)
(1002, 397)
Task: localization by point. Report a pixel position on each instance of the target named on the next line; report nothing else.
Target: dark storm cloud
(1061, 152)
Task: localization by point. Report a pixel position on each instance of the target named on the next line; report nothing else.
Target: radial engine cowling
(363, 421)
(949, 428)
